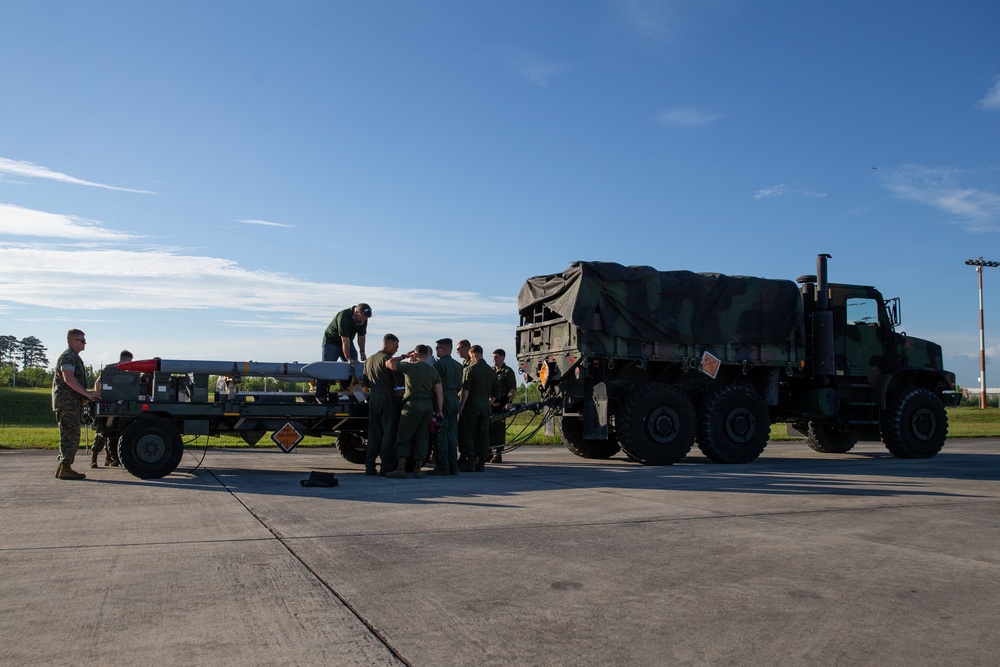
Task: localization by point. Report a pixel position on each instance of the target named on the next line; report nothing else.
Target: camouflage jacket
(63, 396)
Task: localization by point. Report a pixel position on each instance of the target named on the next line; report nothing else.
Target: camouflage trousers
(69, 433)
(108, 443)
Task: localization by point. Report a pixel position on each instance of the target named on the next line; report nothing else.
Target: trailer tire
(353, 446)
(829, 439)
(915, 425)
(150, 447)
(655, 424)
(733, 425)
(571, 434)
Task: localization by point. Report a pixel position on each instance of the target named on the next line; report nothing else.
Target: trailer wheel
(733, 425)
(915, 425)
(655, 424)
(830, 439)
(571, 434)
(353, 446)
(150, 447)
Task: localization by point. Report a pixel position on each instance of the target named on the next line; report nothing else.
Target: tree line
(23, 362)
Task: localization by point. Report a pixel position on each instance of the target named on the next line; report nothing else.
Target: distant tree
(34, 377)
(9, 348)
(33, 353)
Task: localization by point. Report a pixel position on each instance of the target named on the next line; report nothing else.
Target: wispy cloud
(951, 191)
(992, 99)
(31, 170)
(782, 190)
(18, 221)
(78, 274)
(536, 69)
(265, 223)
(686, 117)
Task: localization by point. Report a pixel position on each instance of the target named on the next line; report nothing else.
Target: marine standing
(503, 399)
(382, 412)
(451, 384)
(422, 400)
(108, 441)
(338, 341)
(474, 411)
(69, 391)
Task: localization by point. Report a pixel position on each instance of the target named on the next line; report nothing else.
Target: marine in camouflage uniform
(451, 384)
(382, 412)
(474, 415)
(503, 398)
(422, 399)
(108, 442)
(463, 354)
(69, 391)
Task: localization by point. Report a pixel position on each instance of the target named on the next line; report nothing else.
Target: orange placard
(710, 365)
(286, 437)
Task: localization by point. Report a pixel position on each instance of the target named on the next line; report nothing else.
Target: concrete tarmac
(799, 558)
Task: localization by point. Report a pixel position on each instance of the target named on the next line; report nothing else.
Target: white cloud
(781, 190)
(537, 70)
(685, 117)
(18, 221)
(950, 191)
(162, 301)
(265, 223)
(992, 99)
(30, 170)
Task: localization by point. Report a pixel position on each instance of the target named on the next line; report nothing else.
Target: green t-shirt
(343, 324)
(478, 380)
(420, 379)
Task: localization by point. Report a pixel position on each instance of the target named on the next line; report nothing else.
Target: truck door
(863, 348)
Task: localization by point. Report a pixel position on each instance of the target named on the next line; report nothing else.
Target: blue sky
(214, 180)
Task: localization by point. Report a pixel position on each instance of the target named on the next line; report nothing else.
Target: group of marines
(453, 398)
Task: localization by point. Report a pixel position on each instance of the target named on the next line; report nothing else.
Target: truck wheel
(829, 439)
(733, 425)
(353, 446)
(915, 425)
(150, 447)
(571, 434)
(655, 425)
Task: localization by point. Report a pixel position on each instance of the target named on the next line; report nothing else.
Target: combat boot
(400, 471)
(417, 472)
(93, 458)
(469, 465)
(440, 470)
(64, 471)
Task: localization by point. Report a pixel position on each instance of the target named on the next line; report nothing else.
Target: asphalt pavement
(799, 558)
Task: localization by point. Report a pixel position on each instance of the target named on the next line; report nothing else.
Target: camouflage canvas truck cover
(653, 361)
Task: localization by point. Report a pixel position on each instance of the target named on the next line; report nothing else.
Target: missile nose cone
(142, 366)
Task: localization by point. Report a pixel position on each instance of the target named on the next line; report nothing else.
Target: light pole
(979, 264)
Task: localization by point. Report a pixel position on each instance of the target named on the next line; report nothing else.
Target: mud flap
(595, 413)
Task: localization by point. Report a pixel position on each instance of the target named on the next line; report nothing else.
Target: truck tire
(656, 424)
(915, 425)
(733, 425)
(353, 446)
(571, 434)
(150, 447)
(830, 439)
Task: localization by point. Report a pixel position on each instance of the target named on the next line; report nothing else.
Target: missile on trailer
(291, 372)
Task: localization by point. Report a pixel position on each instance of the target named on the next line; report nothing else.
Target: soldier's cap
(364, 309)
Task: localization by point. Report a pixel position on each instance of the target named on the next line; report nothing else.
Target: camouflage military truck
(652, 362)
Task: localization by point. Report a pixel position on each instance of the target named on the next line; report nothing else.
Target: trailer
(147, 408)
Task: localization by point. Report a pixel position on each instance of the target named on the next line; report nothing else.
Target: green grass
(27, 422)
